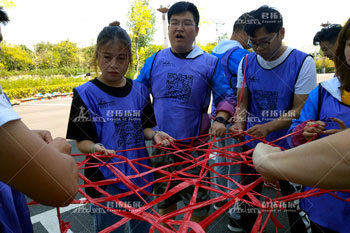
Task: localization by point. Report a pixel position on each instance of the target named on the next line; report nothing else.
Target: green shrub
(45, 72)
(26, 92)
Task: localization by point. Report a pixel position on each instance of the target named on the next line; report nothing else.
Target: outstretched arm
(324, 163)
(47, 173)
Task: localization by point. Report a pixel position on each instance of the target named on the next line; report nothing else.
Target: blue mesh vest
(14, 212)
(181, 92)
(326, 210)
(118, 126)
(271, 92)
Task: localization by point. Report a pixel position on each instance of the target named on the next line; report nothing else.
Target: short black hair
(267, 17)
(4, 19)
(329, 33)
(182, 7)
(240, 23)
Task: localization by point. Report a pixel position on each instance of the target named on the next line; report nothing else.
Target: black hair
(267, 17)
(341, 66)
(182, 7)
(329, 33)
(240, 23)
(4, 19)
(112, 33)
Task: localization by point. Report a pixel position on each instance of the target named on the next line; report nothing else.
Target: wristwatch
(221, 120)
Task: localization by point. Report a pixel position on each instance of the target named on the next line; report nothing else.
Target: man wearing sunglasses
(275, 81)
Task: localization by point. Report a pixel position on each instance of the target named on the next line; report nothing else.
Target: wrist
(221, 120)
(92, 150)
(153, 135)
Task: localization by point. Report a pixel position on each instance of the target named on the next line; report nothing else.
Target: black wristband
(221, 120)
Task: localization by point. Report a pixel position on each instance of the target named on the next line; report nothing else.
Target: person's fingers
(331, 131)
(165, 143)
(62, 145)
(339, 122)
(308, 136)
(321, 123)
(47, 136)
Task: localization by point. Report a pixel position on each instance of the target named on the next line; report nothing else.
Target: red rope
(203, 180)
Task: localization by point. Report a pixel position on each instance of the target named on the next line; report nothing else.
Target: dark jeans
(250, 213)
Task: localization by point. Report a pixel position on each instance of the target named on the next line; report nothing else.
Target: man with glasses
(181, 80)
(275, 82)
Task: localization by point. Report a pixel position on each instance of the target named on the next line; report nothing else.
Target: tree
(7, 3)
(87, 53)
(16, 57)
(68, 52)
(208, 47)
(141, 20)
(45, 56)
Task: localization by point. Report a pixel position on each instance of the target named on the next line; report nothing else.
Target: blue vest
(14, 212)
(118, 127)
(326, 210)
(181, 92)
(271, 92)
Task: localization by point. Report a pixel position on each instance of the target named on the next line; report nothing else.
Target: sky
(80, 21)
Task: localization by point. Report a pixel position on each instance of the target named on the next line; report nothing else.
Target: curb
(38, 98)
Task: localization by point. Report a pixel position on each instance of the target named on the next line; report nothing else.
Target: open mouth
(179, 37)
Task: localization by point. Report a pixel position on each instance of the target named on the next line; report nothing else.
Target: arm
(327, 159)
(224, 100)
(47, 173)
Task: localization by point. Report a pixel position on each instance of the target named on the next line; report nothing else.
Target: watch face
(220, 120)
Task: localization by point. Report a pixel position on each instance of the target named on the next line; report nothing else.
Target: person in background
(326, 39)
(112, 113)
(326, 112)
(230, 52)
(277, 81)
(181, 79)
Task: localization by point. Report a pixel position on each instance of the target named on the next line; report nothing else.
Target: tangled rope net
(182, 222)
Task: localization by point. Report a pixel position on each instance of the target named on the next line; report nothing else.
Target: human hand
(217, 129)
(61, 145)
(98, 147)
(311, 131)
(44, 134)
(237, 130)
(333, 131)
(259, 130)
(261, 158)
(163, 138)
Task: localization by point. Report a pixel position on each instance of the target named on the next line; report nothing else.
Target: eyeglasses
(185, 24)
(262, 44)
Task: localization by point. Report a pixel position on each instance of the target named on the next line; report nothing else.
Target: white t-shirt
(306, 80)
(6, 111)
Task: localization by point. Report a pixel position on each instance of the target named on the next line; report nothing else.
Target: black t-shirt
(86, 130)
(181, 55)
